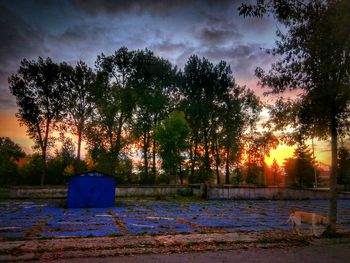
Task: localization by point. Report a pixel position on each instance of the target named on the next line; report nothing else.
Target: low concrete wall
(166, 190)
(275, 193)
(35, 192)
(52, 192)
(225, 192)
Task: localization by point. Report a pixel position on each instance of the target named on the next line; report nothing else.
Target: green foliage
(10, 152)
(124, 106)
(300, 168)
(216, 110)
(113, 102)
(153, 80)
(185, 192)
(172, 135)
(344, 166)
(237, 177)
(124, 174)
(30, 172)
(254, 174)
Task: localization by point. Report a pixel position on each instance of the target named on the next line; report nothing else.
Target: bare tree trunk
(154, 169)
(145, 156)
(119, 139)
(80, 132)
(217, 161)
(333, 179)
(193, 160)
(206, 156)
(44, 152)
(227, 175)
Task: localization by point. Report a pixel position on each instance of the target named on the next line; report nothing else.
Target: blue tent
(91, 189)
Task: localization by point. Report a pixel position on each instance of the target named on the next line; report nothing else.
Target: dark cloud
(18, 40)
(218, 36)
(167, 46)
(218, 30)
(158, 7)
(243, 58)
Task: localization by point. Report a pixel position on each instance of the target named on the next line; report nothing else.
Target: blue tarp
(91, 189)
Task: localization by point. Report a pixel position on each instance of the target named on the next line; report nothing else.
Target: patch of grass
(182, 199)
(185, 192)
(4, 193)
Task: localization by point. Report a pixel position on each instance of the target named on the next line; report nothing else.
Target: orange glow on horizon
(10, 127)
(283, 151)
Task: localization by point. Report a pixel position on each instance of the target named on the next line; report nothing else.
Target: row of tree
(300, 170)
(137, 106)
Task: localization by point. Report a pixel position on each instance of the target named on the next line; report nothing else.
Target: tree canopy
(142, 119)
(40, 100)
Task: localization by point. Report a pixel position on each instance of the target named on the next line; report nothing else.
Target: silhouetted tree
(300, 168)
(113, 102)
(314, 57)
(10, 153)
(344, 166)
(40, 101)
(153, 82)
(198, 92)
(79, 81)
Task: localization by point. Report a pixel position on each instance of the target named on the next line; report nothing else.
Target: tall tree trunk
(227, 175)
(119, 139)
(180, 172)
(43, 172)
(333, 178)
(217, 162)
(80, 133)
(145, 156)
(154, 169)
(44, 151)
(193, 159)
(206, 156)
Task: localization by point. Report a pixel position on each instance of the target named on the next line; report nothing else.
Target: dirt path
(103, 249)
(325, 253)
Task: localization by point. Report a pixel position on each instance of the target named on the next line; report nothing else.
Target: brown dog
(298, 217)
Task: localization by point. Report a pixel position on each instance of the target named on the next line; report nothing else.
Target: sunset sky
(70, 30)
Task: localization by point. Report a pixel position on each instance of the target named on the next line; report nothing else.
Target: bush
(185, 192)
